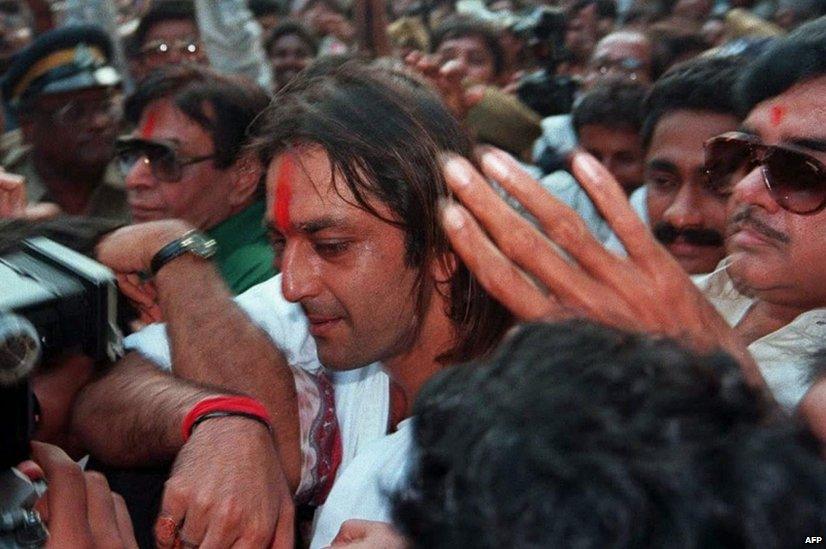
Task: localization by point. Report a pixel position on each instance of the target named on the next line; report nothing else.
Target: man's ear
(247, 173)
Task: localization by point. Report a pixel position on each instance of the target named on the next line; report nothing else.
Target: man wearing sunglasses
(185, 160)
(772, 289)
(768, 296)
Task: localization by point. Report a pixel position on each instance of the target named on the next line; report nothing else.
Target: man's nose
(751, 189)
(685, 210)
(299, 279)
(140, 176)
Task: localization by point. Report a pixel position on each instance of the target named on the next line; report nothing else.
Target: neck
(764, 318)
(70, 186)
(410, 371)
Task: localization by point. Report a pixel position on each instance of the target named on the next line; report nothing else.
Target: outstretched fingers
(561, 223)
(506, 282)
(612, 203)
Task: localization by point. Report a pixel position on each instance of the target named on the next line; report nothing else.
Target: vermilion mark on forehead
(148, 127)
(777, 114)
(283, 192)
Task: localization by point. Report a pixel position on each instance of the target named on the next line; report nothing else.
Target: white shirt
(364, 489)
(362, 395)
(783, 356)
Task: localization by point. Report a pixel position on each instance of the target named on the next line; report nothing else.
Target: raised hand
(561, 271)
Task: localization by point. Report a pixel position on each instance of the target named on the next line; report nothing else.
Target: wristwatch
(193, 242)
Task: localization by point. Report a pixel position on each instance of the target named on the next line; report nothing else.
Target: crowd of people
(430, 274)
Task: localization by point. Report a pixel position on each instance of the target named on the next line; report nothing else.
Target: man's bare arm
(132, 415)
(226, 485)
(213, 341)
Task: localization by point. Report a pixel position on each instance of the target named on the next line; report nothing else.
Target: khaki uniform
(108, 199)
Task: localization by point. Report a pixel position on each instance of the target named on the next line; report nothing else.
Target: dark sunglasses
(163, 160)
(794, 179)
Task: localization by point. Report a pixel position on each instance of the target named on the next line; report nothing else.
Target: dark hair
(383, 131)
(671, 44)
(795, 58)
(606, 9)
(333, 5)
(461, 26)
(701, 84)
(578, 435)
(291, 27)
(223, 105)
(267, 7)
(616, 105)
(162, 10)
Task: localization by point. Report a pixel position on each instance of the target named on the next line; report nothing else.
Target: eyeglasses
(163, 160)
(81, 112)
(630, 66)
(184, 46)
(794, 179)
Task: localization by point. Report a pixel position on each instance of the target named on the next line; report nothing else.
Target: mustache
(745, 218)
(667, 233)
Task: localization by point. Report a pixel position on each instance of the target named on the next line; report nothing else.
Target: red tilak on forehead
(148, 125)
(283, 192)
(777, 114)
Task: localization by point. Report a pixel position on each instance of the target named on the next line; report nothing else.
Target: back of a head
(701, 84)
(615, 105)
(577, 435)
(222, 104)
(793, 59)
(384, 131)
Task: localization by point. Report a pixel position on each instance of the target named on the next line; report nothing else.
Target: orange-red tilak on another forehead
(283, 193)
(777, 114)
(148, 127)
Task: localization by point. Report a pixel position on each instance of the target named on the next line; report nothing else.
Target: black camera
(54, 300)
(547, 93)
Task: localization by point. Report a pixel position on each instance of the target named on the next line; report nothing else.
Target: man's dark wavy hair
(577, 435)
(224, 105)
(384, 131)
(615, 105)
(790, 60)
(701, 84)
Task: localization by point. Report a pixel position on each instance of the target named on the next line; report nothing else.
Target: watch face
(200, 244)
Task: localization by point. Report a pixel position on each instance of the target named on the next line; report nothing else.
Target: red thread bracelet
(224, 406)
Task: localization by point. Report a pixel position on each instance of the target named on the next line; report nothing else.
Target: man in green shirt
(186, 159)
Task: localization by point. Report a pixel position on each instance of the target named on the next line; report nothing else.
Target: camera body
(54, 300)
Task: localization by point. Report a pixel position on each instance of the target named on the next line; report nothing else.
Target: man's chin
(700, 263)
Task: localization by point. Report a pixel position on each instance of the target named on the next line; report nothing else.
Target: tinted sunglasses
(794, 179)
(163, 159)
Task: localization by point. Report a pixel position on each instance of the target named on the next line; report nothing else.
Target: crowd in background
(506, 273)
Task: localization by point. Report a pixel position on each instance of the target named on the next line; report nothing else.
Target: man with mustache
(687, 212)
(768, 298)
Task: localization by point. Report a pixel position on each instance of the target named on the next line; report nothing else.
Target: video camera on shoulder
(53, 300)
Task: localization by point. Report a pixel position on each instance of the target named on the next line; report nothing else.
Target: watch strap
(185, 243)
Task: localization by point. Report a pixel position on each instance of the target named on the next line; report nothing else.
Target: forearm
(132, 415)
(215, 343)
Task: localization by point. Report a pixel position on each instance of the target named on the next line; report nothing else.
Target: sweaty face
(289, 55)
(201, 196)
(475, 61)
(687, 214)
(780, 256)
(619, 150)
(344, 266)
